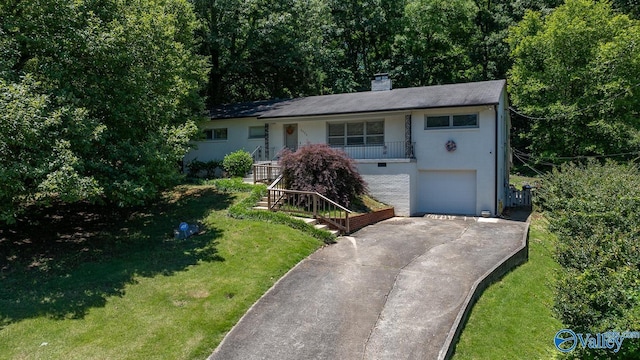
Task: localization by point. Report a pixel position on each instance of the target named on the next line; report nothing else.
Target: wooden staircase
(263, 205)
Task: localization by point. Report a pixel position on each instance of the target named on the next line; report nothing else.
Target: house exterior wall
(400, 182)
(313, 130)
(475, 149)
(237, 139)
(395, 184)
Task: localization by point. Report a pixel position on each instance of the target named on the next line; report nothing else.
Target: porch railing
(265, 173)
(260, 154)
(388, 150)
(307, 203)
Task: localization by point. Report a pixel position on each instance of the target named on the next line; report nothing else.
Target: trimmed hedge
(244, 210)
(594, 209)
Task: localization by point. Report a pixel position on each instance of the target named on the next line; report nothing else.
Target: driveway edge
(255, 303)
(518, 257)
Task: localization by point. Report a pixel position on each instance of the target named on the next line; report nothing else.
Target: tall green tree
(577, 73)
(106, 92)
(435, 45)
(261, 49)
(360, 39)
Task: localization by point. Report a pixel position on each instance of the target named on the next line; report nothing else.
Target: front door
(291, 136)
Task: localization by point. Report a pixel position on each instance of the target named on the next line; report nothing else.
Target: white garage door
(447, 192)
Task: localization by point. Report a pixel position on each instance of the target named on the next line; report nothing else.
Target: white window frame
(451, 124)
(262, 132)
(215, 136)
(365, 135)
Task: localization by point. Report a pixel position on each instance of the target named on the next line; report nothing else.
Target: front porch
(382, 151)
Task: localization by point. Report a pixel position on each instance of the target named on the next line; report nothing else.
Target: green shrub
(238, 163)
(325, 170)
(593, 209)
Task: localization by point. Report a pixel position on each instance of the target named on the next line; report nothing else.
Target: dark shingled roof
(428, 97)
(241, 110)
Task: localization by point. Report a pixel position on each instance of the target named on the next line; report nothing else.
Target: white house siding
(237, 138)
(407, 184)
(475, 152)
(394, 184)
(313, 130)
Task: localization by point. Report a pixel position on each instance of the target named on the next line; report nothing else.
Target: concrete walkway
(395, 290)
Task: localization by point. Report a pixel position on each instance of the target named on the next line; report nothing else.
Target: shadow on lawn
(68, 258)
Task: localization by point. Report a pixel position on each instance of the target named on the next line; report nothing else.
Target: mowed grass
(96, 286)
(513, 318)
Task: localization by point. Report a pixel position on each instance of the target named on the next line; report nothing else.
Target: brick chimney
(381, 82)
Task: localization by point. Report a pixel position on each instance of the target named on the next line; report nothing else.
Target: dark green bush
(196, 167)
(593, 208)
(237, 163)
(325, 170)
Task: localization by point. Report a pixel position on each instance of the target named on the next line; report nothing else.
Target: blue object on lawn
(185, 230)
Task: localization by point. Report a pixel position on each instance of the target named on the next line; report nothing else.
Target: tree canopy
(99, 99)
(576, 72)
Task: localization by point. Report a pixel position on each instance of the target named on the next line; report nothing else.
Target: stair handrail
(258, 149)
(276, 192)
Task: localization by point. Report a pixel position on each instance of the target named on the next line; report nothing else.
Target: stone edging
(516, 258)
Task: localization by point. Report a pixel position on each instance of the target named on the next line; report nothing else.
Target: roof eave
(412, 108)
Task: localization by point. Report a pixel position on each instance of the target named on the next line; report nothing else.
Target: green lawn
(96, 286)
(513, 318)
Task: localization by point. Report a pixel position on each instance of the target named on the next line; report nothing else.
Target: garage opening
(447, 192)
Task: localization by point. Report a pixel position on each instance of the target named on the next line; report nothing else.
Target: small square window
(256, 132)
(336, 129)
(356, 129)
(375, 128)
(436, 121)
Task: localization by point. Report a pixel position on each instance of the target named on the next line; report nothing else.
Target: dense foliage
(197, 168)
(272, 49)
(577, 71)
(322, 169)
(99, 99)
(593, 209)
(237, 163)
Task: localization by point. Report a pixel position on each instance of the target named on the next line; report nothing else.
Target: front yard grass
(513, 317)
(89, 285)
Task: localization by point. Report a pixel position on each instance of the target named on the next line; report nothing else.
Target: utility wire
(527, 165)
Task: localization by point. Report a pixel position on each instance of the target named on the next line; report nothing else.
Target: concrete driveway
(399, 289)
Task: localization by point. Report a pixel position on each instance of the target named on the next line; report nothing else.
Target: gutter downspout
(495, 198)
